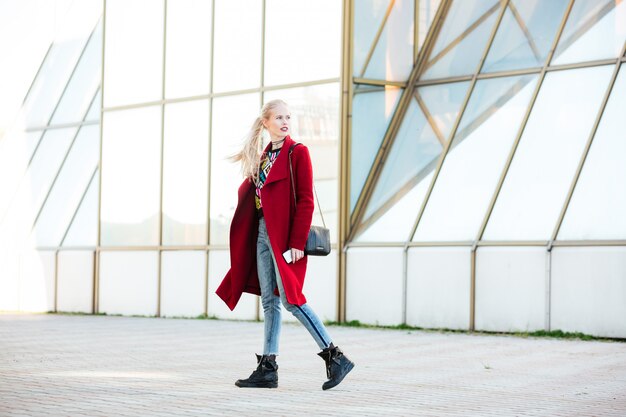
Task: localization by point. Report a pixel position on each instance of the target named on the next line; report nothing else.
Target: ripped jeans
(269, 278)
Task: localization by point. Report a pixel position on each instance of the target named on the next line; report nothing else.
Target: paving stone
(130, 366)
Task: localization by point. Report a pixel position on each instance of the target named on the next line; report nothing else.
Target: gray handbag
(318, 241)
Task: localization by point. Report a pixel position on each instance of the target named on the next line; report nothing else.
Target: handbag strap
(293, 186)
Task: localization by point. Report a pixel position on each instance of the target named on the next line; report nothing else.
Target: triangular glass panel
(368, 16)
(392, 59)
(84, 228)
(595, 30)
(84, 82)
(412, 159)
(525, 35)
(371, 113)
(462, 55)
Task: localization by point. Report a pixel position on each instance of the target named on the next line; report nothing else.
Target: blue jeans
(269, 278)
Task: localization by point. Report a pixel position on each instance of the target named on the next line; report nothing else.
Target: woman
(267, 223)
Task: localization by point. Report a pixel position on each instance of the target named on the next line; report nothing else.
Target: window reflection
(412, 159)
(525, 34)
(595, 29)
(315, 123)
(462, 40)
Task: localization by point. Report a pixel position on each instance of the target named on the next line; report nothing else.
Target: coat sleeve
(303, 173)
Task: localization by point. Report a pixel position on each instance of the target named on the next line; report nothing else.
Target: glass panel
(16, 150)
(84, 228)
(182, 283)
(188, 43)
(525, 34)
(83, 84)
(128, 282)
(36, 183)
(315, 123)
(595, 29)
(371, 113)
(597, 207)
(427, 10)
(368, 16)
(413, 157)
(462, 55)
(185, 173)
(393, 57)
(460, 17)
(131, 166)
(133, 61)
(94, 110)
(308, 53)
(232, 117)
(75, 273)
(240, 70)
(546, 158)
(68, 188)
(472, 167)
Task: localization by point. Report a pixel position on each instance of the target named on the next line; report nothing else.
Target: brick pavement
(62, 365)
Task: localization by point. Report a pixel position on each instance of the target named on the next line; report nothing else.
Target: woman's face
(278, 122)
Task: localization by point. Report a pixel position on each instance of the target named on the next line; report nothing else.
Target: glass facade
(430, 123)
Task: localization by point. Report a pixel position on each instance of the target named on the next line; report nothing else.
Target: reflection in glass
(473, 164)
(393, 55)
(188, 48)
(462, 39)
(368, 16)
(462, 56)
(371, 113)
(133, 53)
(232, 117)
(525, 34)
(84, 228)
(237, 52)
(546, 158)
(83, 84)
(595, 29)
(413, 156)
(597, 207)
(308, 53)
(131, 171)
(427, 9)
(68, 188)
(185, 173)
(315, 123)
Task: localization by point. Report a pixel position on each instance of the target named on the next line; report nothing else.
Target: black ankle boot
(264, 376)
(337, 366)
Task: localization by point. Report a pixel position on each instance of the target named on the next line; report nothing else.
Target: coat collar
(280, 169)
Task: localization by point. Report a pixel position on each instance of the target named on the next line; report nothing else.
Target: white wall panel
(320, 285)
(589, 290)
(219, 263)
(438, 287)
(374, 285)
(75, 281)
(128, 282)
(9, 280)
(510, 288)
(36, 287)
(182, 283)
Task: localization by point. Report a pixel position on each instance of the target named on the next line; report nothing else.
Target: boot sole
(349, 368)
(267, 385)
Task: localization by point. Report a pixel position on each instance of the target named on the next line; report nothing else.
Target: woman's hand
(296, 255)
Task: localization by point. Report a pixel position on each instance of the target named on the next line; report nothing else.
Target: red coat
(286, 227)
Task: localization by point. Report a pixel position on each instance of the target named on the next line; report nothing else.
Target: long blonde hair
(250, 155)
